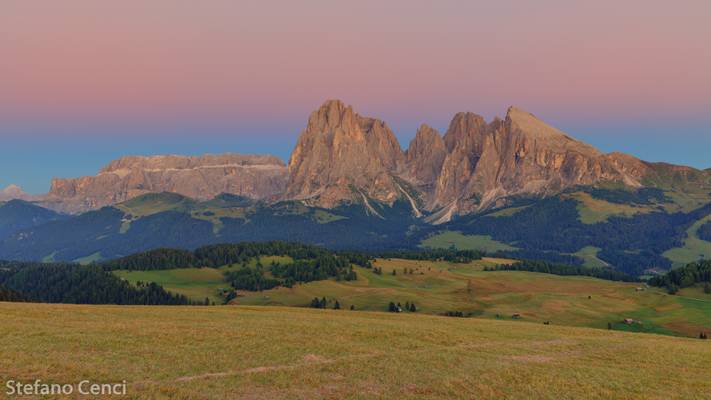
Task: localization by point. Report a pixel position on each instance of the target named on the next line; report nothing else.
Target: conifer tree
(315, 303)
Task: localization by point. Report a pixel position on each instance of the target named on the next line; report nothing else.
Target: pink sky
(610, 72)
(138, 58)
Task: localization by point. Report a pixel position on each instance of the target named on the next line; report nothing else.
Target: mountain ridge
(342, 157)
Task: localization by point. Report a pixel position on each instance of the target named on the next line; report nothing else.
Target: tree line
(562, 269)
(10, 295)
(226, 254)
(451, 255)
(322, 267)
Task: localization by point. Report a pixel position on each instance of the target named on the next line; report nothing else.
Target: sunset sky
(86, 81)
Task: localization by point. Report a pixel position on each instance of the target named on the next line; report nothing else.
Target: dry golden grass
(292, 353)
(438, 286)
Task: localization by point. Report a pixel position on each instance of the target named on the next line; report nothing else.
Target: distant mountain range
(513, 184)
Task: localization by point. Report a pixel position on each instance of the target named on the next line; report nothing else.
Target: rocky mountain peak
(520, 155)
(342, 156)
(532, 129)
(331, 115)
(465, 130)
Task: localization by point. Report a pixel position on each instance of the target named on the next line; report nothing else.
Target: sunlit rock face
(201, 178)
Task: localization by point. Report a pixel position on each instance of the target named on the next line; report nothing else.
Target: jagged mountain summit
(487, 163)
(344, 157)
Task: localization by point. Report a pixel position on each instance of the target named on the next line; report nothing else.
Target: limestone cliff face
(201, 178)
(344, 157)
(341, 156)
(465, 140)
(424, 156)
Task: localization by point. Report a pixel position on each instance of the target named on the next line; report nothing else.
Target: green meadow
(437, 287)
(447, 239)
(196, 283)
(693, 249)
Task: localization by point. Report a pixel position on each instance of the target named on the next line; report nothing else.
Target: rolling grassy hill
(448, 239)
(290, 353)
(437, 287)
(196, 283)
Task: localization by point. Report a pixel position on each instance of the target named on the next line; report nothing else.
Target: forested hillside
(698, 273)
(552, 230)
(633, 231)
(72, 283)
(10, 295)
(16, 215)
(705, 232)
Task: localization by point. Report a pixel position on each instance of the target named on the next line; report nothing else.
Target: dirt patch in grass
(534, 358)
(687, 328)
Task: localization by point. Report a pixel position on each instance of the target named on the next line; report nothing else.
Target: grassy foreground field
(291, 353)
